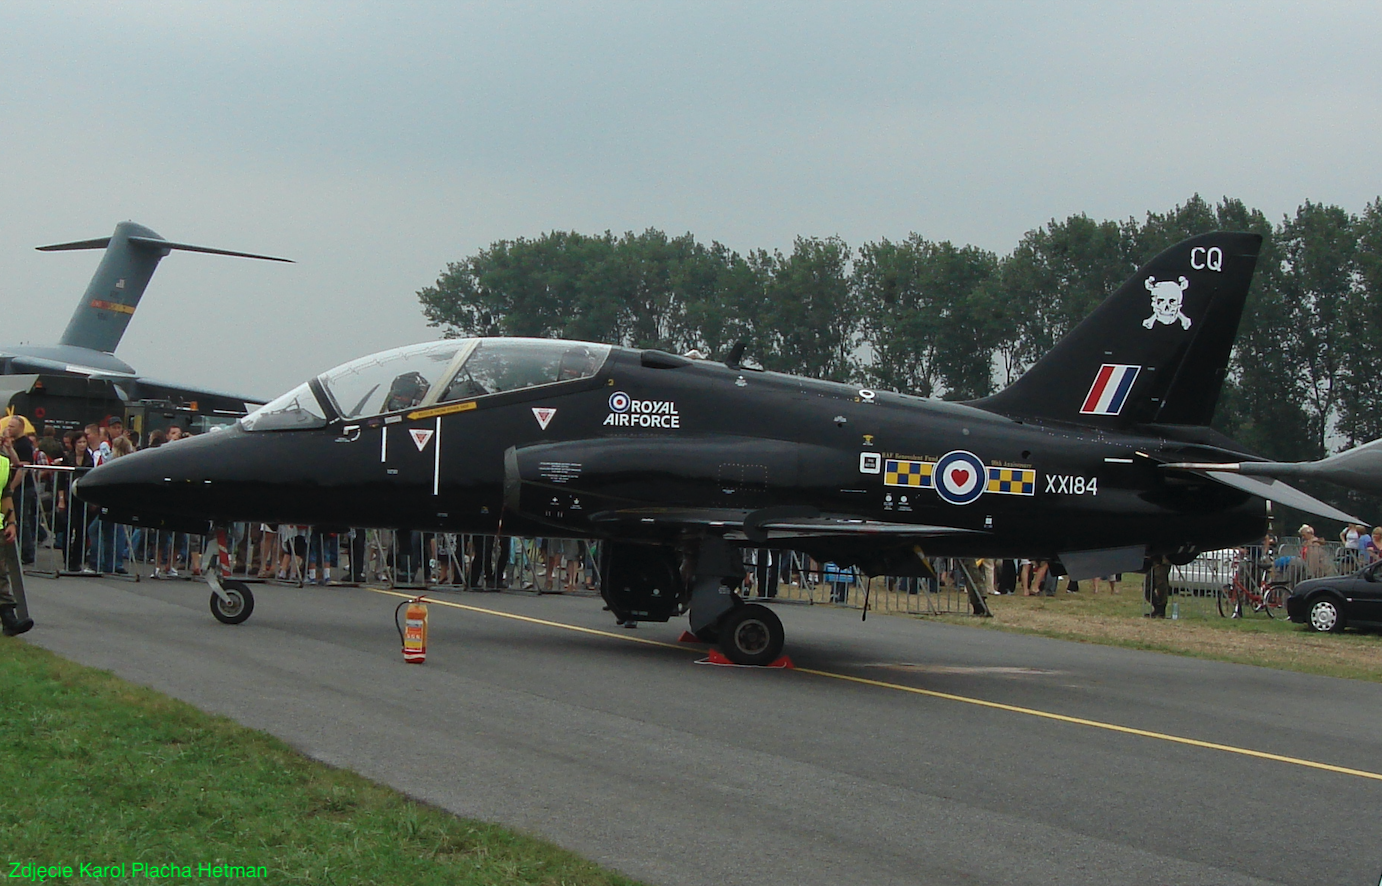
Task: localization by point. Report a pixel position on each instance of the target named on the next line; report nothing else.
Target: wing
(771, 524)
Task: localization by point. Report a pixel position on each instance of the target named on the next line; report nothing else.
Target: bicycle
(1268, 595)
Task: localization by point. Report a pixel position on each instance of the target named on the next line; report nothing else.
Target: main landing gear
(644, 583)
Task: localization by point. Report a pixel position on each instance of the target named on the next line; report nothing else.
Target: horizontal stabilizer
(159, 243)
(1359, 468)
(1281, 493)
(99, 243)
(132, 254)
(42, 364)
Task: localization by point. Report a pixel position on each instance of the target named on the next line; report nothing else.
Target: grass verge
(98, 771)
(1117, 620)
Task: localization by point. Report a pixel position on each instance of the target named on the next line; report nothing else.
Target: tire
(751, 635)
(1274, 600)
(1226, 602)
(1324, 615)
(239, 608)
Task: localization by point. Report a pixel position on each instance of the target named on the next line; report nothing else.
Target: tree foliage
(936, 319)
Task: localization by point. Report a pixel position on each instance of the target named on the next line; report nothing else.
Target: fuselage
(645, 430)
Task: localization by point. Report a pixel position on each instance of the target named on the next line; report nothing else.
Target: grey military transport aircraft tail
(674, 464)
(87, 347)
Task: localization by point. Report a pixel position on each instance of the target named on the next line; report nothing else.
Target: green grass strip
(97, 771)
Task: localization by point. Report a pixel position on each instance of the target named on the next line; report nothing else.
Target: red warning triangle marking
(543, 414)
(420, 437)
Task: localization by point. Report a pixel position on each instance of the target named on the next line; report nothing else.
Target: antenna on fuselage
(736, 354)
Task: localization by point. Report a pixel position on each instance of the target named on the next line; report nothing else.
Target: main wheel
(751, 635)
(238, 608)
(1227, 601)
(1274, 600)
(1324, 615)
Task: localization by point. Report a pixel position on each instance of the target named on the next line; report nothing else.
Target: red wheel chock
(717, 657)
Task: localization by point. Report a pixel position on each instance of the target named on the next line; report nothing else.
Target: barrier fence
(61, 535)
(1196, 586)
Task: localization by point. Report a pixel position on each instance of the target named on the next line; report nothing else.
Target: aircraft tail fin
(132, 254)
(1156, 351)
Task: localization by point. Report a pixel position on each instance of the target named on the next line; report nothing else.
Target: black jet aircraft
(676, 463)
(87, 347)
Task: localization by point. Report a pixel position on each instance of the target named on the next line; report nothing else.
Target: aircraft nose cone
(154, 482)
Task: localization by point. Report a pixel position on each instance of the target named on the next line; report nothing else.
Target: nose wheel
(234, 604)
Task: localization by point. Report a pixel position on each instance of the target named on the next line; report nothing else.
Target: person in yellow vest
(9, 620)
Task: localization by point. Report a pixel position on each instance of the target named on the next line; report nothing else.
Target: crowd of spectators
(44, 505)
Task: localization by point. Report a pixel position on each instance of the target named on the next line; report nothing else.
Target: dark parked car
(1328, 604)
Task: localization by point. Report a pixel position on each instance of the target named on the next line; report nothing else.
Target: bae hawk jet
(676, 463)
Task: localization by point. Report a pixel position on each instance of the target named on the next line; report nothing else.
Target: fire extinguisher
(412, 629)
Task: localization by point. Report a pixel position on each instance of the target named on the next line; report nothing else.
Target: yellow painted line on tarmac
(530, 620)
(931, 693)
(1096, 724)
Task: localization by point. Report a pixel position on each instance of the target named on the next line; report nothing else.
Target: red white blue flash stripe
(1110, 389)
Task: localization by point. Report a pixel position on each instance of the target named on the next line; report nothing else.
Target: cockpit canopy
(419, 376)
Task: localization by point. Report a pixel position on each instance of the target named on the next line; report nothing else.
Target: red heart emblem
(959, 476)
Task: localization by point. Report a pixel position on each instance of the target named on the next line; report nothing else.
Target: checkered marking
(918, 475)
(1012, 481)
(901, 472)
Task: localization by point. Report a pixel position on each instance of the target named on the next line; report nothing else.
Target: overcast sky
(373, 143)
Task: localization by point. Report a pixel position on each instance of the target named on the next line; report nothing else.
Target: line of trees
(935, 319)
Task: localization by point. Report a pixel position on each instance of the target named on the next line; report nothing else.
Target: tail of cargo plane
(132, 254)
(1156, 351)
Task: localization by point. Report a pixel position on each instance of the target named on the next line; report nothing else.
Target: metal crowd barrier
(1196, 584)
(954, 586)
(60, 535)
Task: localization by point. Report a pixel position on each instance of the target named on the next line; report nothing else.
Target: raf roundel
(960, 477)
(618, 402)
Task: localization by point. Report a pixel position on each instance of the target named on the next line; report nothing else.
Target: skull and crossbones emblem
(1167, 297)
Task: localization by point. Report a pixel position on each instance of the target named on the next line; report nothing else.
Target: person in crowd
(98, 444)
(10, 623)
(571, 554)
(50, 445)
(69, 445)
(104, 536)
(1312, 552)
(1370, 546)
(175, 432)
(1159, 586)
(293, 550)
(72, 515)
(839, 580)
(768, 572)
(268, 548)
(21, 452)
(486, 551)
(1351, 538)
(1034, 577)
(321, 556)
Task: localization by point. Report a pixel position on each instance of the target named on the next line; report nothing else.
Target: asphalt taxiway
(898, 751)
